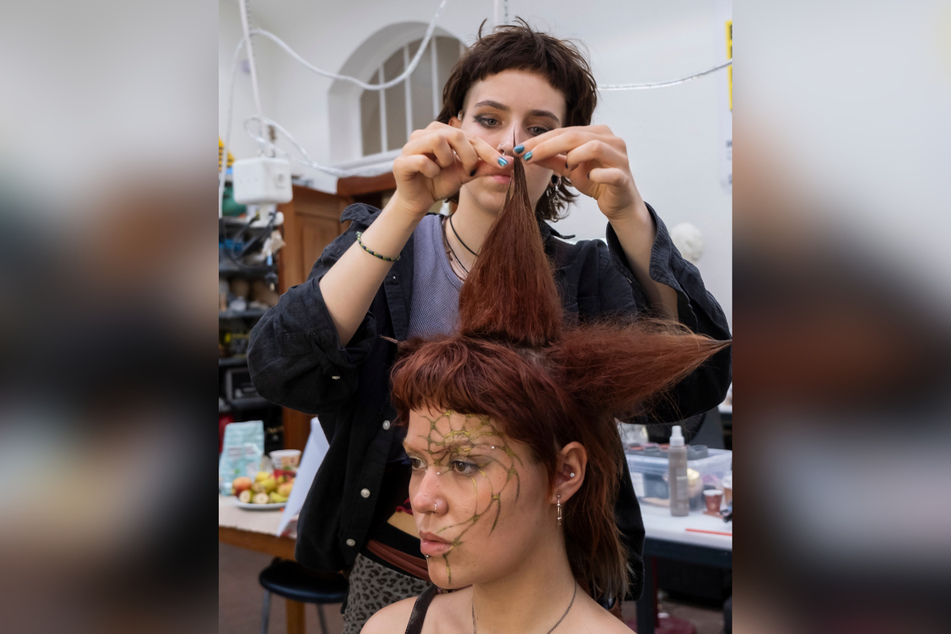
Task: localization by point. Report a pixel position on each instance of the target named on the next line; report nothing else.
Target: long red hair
(545, 383)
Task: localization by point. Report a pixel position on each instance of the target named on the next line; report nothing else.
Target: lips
(433, 545)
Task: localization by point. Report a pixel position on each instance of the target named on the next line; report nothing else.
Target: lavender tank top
(434, 308)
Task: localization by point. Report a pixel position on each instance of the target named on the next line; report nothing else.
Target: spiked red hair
(546, 384)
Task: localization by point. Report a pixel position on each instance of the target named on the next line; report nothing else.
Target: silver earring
(434, 508)
(572, 475)
(559, 510)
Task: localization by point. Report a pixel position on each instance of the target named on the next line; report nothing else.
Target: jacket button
(335, 377)
(365, 492)
(386, 424)
(351, 543)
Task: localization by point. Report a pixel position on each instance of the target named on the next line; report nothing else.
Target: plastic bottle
(677, 474)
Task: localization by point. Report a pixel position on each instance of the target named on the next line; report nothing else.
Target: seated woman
(512, 439)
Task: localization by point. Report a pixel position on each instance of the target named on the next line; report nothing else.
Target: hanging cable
(663, 84)
(341, 173)
(246, 25)
(389, 84)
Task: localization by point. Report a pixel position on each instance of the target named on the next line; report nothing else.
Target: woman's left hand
(595, 161)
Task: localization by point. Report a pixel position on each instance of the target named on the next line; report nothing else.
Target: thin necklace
(451, 226)
(452, 254)
(552, 627)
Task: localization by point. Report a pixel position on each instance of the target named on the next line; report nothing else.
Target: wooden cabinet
(311, 222)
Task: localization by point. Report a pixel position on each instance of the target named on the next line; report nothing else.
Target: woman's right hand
(435, 163)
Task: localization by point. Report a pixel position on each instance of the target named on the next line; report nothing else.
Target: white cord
(227, 139)
(339, 173)
(396, 80)
(245, 17)
(663, 84)
(333, 171)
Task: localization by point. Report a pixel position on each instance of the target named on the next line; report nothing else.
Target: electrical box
(262, 180)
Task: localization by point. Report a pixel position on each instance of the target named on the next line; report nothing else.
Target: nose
(426, 492)
(507, 140)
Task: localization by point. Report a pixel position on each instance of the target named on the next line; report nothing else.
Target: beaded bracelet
(374, 253)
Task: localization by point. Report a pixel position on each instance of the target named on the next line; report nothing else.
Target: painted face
(480, 501)
(512, 104)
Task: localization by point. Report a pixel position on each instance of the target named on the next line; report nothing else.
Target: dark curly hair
(519, 47)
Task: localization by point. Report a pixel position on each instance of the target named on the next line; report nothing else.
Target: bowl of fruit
(266, 492)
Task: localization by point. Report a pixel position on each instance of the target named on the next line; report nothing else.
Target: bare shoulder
(392, 618)
(594, 619)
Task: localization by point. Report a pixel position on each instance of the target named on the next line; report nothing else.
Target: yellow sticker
(729, 55)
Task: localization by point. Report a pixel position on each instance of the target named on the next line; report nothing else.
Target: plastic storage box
(649, 475)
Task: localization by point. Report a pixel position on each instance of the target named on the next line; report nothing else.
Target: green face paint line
(443, 449)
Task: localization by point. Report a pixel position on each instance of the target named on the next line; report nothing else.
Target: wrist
(404, 207)
(635, 217)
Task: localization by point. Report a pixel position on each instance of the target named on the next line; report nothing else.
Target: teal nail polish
(502, 162)
(528, 156)
(518, 149)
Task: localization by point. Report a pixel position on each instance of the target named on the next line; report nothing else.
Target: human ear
(569, 474)
(456, 122)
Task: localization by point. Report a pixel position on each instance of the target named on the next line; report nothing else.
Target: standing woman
(328, 346)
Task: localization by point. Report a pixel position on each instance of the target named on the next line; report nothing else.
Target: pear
(270, 484)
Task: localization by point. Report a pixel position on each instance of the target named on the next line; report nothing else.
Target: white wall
(672, 134)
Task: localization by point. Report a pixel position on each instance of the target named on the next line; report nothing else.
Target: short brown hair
(519, 47)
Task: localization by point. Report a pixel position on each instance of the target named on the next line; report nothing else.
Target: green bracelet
(374, 253)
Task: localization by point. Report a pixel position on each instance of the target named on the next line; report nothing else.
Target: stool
(293, 581)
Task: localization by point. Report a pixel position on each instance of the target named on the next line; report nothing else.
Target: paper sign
(310, 460)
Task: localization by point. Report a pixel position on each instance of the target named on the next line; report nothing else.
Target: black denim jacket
(296, 360)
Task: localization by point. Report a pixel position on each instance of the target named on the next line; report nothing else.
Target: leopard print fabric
(373, 587)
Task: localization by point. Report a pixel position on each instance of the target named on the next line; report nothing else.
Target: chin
(440, 575)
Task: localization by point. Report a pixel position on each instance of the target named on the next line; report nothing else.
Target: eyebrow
(503, 107)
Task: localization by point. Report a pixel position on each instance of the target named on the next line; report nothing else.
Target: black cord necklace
(452, 253)
(460, 239)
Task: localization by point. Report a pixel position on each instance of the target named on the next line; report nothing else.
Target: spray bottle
(677, 474)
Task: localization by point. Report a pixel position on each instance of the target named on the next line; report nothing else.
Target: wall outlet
(262, 180)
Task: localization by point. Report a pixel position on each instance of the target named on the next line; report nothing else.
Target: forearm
(636, 233)
(351, 283)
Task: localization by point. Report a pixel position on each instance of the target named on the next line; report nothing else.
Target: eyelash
(464, 468)
(489, 122)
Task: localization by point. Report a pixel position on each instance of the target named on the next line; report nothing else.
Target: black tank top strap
(415, 625)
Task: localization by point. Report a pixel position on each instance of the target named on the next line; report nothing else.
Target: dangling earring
(555, 179)
(559, 511)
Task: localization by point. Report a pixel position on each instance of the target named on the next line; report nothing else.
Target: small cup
(728, 488)
(712, 498)
(286, 458)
